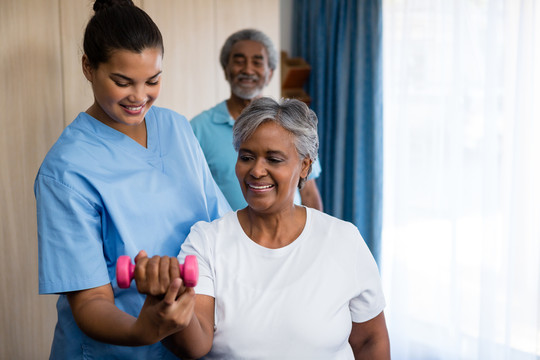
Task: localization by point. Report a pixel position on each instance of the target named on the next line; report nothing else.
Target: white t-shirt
(295, 302)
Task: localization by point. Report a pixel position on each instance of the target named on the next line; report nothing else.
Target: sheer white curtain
(461, 224)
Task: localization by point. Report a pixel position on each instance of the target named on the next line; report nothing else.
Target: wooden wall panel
(194, 31)
(30, 121)
(189, 65)
(74, 16)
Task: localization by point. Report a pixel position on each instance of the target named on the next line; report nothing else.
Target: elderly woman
(277, 280)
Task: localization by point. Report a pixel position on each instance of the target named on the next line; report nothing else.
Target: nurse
(123, 176)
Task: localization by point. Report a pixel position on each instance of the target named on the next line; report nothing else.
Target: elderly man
(249, 59)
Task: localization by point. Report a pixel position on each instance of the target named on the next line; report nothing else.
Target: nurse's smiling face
(125, 87)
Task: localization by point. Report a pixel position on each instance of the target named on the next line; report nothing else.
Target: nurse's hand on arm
(369, 340)
(99, 318)
(194, 319)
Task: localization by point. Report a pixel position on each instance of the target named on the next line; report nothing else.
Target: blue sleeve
(69, 239)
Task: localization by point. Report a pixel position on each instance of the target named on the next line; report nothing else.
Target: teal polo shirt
(213, 129)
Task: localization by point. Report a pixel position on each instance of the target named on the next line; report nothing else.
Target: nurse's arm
(369, 340)
(196, 339)
(99, 318)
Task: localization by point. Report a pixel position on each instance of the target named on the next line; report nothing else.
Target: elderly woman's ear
(304, 173)
(306, 167)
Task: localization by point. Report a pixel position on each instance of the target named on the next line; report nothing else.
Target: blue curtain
(342, 41)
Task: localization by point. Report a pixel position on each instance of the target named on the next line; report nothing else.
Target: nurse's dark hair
(291, 114)
(119, 25)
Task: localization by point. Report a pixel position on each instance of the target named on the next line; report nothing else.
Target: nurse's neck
(136, 132)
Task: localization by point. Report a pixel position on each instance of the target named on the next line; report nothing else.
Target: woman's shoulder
(206, 235)
(339, 237)
(324, 220)
(219, 225)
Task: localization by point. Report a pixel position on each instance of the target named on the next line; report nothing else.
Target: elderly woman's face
(269, 168)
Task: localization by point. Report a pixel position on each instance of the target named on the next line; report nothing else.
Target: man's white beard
(247, 93)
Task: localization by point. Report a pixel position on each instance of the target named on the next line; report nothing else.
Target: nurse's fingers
(173, 291)
(177, 292)
(177, 308)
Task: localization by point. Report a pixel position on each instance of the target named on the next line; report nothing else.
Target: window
(461, 213)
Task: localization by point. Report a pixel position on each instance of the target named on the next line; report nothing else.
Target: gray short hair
(253, 35)
(291, 114)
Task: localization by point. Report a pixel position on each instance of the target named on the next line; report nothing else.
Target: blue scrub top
(99, 195)
(214, 130)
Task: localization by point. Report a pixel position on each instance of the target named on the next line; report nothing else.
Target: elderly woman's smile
(269, 167)
(255, 187)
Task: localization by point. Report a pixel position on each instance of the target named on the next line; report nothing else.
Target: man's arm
(310, 195)
(369, 340)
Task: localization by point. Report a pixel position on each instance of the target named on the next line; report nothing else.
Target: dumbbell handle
(189, 271)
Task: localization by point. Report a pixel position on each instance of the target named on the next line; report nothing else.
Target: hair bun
(105, 4)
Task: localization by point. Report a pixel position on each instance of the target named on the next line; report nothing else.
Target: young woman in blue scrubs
(123, 176)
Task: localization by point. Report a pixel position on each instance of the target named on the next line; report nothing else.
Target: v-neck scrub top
(99, 195)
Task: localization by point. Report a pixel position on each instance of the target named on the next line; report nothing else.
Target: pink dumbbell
(189, 271)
